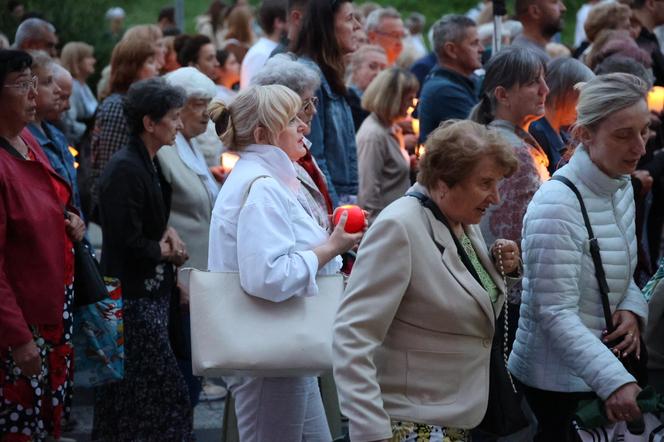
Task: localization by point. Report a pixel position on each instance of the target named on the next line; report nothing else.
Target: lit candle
(416, 126)
(656, 99)
(420, 150)
(228, 160)
(74, 153)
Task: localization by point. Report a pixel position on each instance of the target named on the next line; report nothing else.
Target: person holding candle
(383, 162)
(413, 333)
(283, 69)
(562, 75)
(561, 351)
(262, 227)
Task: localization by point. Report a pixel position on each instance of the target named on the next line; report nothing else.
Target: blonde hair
(456, 146)
(605, 16)
(73, 53)
(386, 92)
(605, 95)
(271, 107)
(151, 33)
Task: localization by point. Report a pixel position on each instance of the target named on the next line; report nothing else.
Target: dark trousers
(554, 412)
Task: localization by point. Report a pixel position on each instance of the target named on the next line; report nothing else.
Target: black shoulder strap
(429, 204)
(594, 253)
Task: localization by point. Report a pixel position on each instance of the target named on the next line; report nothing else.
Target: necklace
(506, 316)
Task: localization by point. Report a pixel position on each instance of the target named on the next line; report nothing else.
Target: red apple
(355, 220)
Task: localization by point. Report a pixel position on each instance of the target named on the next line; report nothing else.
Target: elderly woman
(78, 58)
(132, 60)
(38, 228)
(194, 189)
(326, 37)
(282, 69)
(561, 351)
(560, 107)
(152, 401)
(263, 229)
(413, 334)
(383, 162)
(365, 63)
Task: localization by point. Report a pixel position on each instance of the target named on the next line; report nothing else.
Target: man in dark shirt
(451, 89)
(541, 20)
(650, 13)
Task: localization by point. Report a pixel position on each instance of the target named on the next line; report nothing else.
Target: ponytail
(220, 115)
(482, 112)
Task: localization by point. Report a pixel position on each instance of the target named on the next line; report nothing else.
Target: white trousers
(280, 410)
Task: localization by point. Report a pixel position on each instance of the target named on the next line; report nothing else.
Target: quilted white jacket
(558, 346)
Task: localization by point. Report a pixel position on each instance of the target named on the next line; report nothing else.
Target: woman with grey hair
(194, 191)
(563, 353)
(151, 402)
(551, 133)
(284, 70)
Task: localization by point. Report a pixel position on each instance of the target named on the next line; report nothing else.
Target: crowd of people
(481, 174)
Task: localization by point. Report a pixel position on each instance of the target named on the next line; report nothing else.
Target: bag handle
(248, 189)
(594, 253)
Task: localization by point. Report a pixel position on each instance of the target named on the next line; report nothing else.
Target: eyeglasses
(24, 86)
(309, 104)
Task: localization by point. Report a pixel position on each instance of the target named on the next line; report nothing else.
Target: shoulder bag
(234, 333)
(635, 367)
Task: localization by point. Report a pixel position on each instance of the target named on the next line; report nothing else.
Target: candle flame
(228, 160)
(656, 99)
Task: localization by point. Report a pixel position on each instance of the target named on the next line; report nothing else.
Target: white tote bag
(233, 333)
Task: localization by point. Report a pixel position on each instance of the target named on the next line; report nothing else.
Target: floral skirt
(413, 432)
(151, 403)
(32, 408)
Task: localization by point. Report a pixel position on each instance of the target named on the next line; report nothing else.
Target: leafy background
(83, 20)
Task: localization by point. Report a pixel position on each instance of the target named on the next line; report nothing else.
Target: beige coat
(413, 333)
(191, 205)
(383, 167)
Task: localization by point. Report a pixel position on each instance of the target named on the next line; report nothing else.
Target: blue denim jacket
(333, 139)
(55, 146)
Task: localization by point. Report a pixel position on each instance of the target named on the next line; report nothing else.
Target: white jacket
(558, 346)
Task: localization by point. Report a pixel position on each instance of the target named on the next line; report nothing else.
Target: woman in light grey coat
(560, 352)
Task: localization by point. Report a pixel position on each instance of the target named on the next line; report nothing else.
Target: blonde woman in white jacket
(560, 353)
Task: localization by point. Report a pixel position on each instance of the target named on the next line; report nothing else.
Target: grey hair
(621, 63)
(284, 70)
(32, 28)
(373, 20)
(418, 18)
(510, 67)
(40, 60)
(562, 74)
(450, 28)
(194, 83)
(607, 94)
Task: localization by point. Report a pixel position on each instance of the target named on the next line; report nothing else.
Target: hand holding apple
(356, 220)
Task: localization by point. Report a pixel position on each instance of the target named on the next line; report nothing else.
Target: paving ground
(207, 418)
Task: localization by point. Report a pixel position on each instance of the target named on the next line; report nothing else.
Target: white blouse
(270, 239)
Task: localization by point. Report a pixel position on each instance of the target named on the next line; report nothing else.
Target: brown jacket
(413, 333)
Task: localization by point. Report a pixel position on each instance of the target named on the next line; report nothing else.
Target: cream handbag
(234, 333)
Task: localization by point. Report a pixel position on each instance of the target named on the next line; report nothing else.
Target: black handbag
(89, 285)
(504, 415)
(636, 367)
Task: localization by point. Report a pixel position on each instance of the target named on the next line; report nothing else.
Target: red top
(32, 244)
